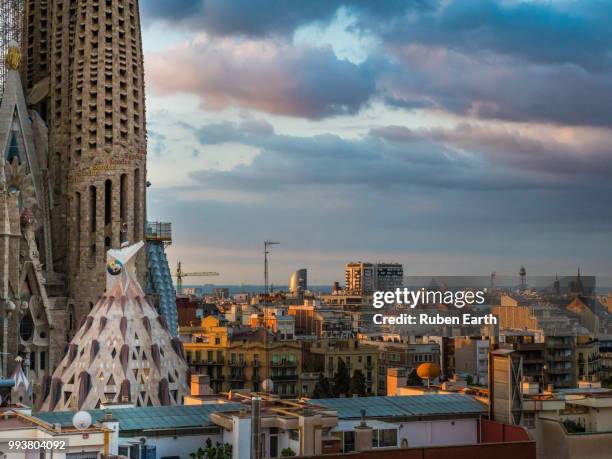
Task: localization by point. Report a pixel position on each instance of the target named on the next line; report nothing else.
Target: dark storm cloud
(465, 158)
(280, 79)
(544, 32)
(170, 10)
(498, 87)
(469, 190)
(516, 61)
(259, 18)
(587, 159)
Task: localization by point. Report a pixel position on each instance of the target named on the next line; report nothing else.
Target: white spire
(21, 380)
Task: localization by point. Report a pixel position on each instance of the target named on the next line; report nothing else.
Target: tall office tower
(359, 278)
(364, 278)
(83, 73)
(389, 276)
(298, 283)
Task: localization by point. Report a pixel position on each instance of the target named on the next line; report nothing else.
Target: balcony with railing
(561, 357)
(205, 362)
(290, 376)
(159, 231)
(237, 376)
(283, 363)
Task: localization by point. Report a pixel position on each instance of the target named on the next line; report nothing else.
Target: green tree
(358, 384)
(224, 451)
(342, 379)
(413, 379)
(322, 388)
(287, 452)
(219, 451)
(573, 426)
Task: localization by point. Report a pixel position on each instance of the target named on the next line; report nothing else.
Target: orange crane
(180, 274)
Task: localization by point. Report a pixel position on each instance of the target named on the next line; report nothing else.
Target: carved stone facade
(82, 71)
(25, 309)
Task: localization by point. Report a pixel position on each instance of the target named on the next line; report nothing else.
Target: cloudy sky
(456, 137)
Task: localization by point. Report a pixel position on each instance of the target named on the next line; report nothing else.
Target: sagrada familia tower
(72, 171)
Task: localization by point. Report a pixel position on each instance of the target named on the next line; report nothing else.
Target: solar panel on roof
(413, 405)
(150, 417)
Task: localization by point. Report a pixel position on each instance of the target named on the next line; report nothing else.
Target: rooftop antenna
(267, 245)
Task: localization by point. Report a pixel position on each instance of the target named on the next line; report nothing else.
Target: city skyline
(455, 138)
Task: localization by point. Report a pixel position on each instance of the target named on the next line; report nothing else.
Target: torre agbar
(73, 145)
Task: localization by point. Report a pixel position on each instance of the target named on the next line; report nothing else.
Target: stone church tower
(83, 73)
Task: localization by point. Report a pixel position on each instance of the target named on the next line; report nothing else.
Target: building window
(108, 202)
(136, 204)
(77, 199)
(349, 442)
(529, 420)
(92, 207)
(387, 438)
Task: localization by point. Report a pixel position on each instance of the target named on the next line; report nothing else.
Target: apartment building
(532, 352)
(364, 278)
(397, 354)
(560, 361)
(357, 356)
(320, 322)
(471, 358)
(588, 362)
(243, 358)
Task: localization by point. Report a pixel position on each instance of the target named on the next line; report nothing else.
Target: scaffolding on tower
(11, 20)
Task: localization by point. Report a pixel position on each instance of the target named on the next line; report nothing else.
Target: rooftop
(402, 406)
(149, 417)
(198, 416)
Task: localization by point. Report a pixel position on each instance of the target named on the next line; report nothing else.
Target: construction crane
(180, 274)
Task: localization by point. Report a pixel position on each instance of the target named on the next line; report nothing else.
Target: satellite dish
(81, 420)
(267, 385)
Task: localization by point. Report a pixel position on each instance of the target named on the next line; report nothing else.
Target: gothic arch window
(13, 148)
(136, 204)
(108, 202)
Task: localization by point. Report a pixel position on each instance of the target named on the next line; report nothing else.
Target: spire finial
(13, 56)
